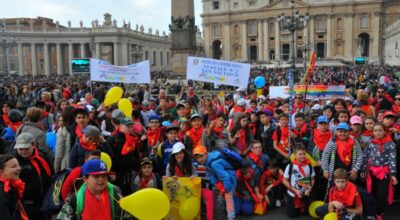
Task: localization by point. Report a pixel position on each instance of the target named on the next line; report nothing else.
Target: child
(184, 126)
(281, 140)
(199, 159)
(356, 122)
(302, 132)
(247, 192)
(366, 135)
(265, 130)
(258, 161)
(180, 162)
(241, 135)
(380, 158)
(216, 135)
(270, 184)
(299, 180)
(180, 111)
(343, 198)
(342, 116)
(146, 178)
(155, 135)
(194, 136)
(164, 149)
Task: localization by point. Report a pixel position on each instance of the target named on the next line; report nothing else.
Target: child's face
(184, 126)
(328, 113)
(196, 122)
(97, 183)
(274, 170)
(181, 111)
(200, 158)
(244, 122)
(179, 157)
(253, 105)
(300, 155)
(369, 124)
(172, 135)
(380, 117)
(146, 169)
(264, 119)
(343, 117)
(253, 117)
(299, 122)
(322, 126)
(256, 149)
(388, 121)
(342, 134)
(356, 127)
(220, 122)
(283, 121)
(340, 184)
(379, 132)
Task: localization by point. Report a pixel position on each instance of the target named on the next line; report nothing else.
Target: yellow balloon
(113, 96)
(190, 208)
(331, 216)
(313, 206)
(146, 204)
(126, 107)
(312, 161)
(107, 160)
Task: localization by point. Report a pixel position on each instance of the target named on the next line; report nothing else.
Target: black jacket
(8, 204)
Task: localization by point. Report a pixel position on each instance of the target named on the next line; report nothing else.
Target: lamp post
(136, 53)
(4, 45)
(292, 23)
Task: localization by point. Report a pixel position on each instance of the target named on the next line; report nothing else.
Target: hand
(268, 188)
(307, 192)
(394, 180)
(298, 193)
(326, 175)
(394, 130)
(143, 137)
(260, 197)
(267, 199)
(353, 174)
(338, 205)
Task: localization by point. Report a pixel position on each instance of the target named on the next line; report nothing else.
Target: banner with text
(218, 71)
(105, 72)
(313, 91)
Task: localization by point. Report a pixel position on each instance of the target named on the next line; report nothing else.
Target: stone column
(277, 41)
(59, 59)
(98, 52)
(46, 59)
(227, 41)
(375, 41)
(125, 54)
(71, 55)
(260, 39)
(83, 50)
(34, 59)
(20, 60)
(312, 33)
(305, 43)
(116, 53)
(329, 41)
(206, 36)
(266, 39)
(244, 41)
(348, 42)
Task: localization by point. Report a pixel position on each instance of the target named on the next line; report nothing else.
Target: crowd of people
(249, 155)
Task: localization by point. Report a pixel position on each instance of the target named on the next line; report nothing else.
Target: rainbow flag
(313, 91)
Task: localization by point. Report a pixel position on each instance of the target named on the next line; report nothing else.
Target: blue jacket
(219, 169)
(8, 134)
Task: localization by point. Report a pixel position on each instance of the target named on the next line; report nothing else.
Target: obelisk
(183, 35)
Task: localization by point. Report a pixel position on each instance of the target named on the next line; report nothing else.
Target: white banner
(105, 72)
(218, 71)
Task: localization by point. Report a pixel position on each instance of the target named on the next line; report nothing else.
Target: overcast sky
(150, 13)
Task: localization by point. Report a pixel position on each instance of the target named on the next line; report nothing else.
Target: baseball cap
(389, 114)
(125, 121)
(195, 116)
(241, 102)
(24, 140)
(117, 114)
(265, 112)
(146, 161)
(355, 120)
(172, 127)
(316, 107)
(199, 150)
(91, 130)
(322, 118)
(155, 117)
(356, 103)
(180, 104)
(182, 120)
(94, 167)
(343, 126)
(146, 103)
(178, 147)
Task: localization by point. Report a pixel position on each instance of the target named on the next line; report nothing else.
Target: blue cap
(94, 167)
(265, 112)
(155, 117)
(343, 126)
(322, 118)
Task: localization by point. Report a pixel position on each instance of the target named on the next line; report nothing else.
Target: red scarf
(396, 109)
(44, 115)
(153, 136)
(179, 172)
(129, 145)
(381, 142)
(242, 140)
(300, 132)
(299, 106)
(367, 133)
(218, 131)
(253, 128)
(245, 177)
(35, 158)
(78, 131)
(196, 135)
(237, 109)
(344, 150)
(347, 196)
(321, 138)
(18, 185)
(6, 119)
(15, 125)
(87, 146)
(256, 158)
(181, 134)
(300, 165)
(144, 181)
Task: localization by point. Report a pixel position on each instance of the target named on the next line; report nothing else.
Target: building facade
(392, 44)
(247, 30)
(44, 47)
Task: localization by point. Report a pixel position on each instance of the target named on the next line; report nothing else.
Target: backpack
(52, 201)
(232, 157)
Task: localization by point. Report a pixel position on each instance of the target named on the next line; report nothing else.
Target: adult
(382, 101)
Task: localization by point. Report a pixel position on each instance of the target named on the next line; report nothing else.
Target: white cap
(236, 97)
(241, 102)
(316, 107)
(177, 147)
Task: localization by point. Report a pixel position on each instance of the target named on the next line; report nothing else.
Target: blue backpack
(52, 201)
(232, 157)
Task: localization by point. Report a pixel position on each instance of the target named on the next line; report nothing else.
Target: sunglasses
(380, 91)
(297, 97)
(397, 99)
